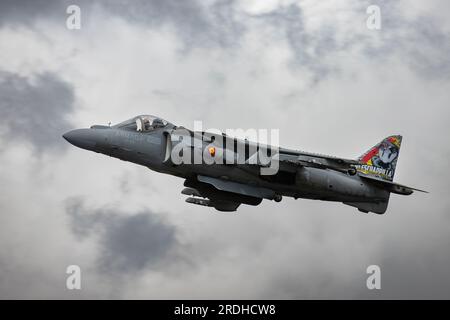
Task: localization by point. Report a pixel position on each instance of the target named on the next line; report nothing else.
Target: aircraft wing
(290, 160)
(222, 194)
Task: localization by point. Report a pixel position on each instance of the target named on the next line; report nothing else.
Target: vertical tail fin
(380, 161)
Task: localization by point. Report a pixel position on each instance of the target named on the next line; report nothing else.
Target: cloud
(28, 11)
(128, 242)
(318, 33)
(423, 46)
(196, 23)
(35, 109)
(130, 230)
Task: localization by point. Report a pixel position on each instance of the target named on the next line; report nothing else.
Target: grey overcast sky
(309, 68)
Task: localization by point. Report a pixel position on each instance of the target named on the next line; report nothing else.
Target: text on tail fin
(381, 160)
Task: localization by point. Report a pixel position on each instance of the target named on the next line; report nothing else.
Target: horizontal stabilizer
(392, 186)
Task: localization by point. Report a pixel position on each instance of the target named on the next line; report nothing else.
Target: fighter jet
(223, 172)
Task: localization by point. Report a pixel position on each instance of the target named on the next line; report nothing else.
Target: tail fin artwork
(380, 161)
(378, 166)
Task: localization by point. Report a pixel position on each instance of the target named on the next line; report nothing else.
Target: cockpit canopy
(142, 123)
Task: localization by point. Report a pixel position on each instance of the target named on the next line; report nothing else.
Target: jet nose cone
(82, 138)
(66, 136)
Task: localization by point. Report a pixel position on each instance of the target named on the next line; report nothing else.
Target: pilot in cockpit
(142, 123)
(158, 123)
(139, 124)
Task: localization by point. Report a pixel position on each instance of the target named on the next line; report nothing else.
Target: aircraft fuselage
(150, 150)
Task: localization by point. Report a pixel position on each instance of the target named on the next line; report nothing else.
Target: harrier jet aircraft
(224, 172)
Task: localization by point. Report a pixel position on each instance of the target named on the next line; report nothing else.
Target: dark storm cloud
(128, 243)
(416, 264)
(421, 41)
(197, 24)
(221, 24)
(290, 21)
(27, 11)
(430, 58)
(427, 50)
(416, 274)
(424, 45)
(35, 110)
